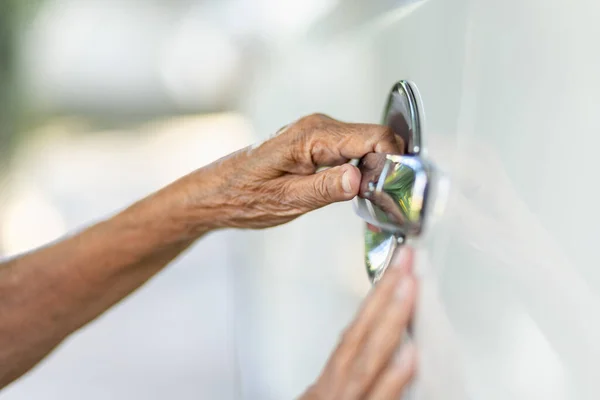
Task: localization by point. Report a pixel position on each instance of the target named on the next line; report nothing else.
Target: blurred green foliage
(8, 23)
(13, 16)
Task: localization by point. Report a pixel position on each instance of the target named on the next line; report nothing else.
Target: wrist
(220, 195)
(197, 203)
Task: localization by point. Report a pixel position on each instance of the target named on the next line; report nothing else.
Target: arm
(48, 294)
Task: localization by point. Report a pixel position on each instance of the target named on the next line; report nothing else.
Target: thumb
(332, 185)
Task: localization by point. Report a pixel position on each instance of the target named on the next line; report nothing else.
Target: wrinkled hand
(277, 181)
(369, 362)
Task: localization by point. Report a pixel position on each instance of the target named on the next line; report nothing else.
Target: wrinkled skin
(49, 293)
(277, 181)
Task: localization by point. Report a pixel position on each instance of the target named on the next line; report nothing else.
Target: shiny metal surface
(404, 114)
(395, 189)
(509, 302)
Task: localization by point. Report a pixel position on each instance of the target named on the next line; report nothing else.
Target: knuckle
(387, 132)
(319, 149)
(317, 118)
(314, 122)
(319, 135)
(322, 188)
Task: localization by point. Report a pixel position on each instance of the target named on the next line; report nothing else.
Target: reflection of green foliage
(373, 240)
(399, 185)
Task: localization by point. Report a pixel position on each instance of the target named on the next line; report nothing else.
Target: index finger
(379, 300)
(338, 142)
(318, 140)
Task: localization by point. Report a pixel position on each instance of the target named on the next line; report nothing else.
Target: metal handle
(396, 189)
(404, 114)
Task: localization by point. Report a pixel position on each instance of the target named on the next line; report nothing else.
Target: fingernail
(401, 258)
(346, 185)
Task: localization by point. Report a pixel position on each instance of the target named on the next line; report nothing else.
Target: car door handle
(397, 190)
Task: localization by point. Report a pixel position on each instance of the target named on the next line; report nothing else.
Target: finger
(332, 185)
(383, 340)
(341, 362)
(337, 142)
(379, 298)
(397, 375)
(318, 140)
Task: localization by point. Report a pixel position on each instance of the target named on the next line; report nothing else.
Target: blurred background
(104, 101)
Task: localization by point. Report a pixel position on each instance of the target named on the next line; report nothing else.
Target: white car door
(509, 304)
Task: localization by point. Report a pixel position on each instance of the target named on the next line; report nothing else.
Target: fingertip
(350, 180)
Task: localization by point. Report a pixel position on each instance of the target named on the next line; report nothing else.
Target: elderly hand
(369, 362)
(278, 180)
(49, 293)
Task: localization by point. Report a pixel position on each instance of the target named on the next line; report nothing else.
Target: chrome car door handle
(397, 190)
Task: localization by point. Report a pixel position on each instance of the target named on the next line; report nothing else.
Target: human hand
(278, 180)
(370, 362)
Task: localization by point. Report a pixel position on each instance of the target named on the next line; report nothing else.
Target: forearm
(49, 293)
